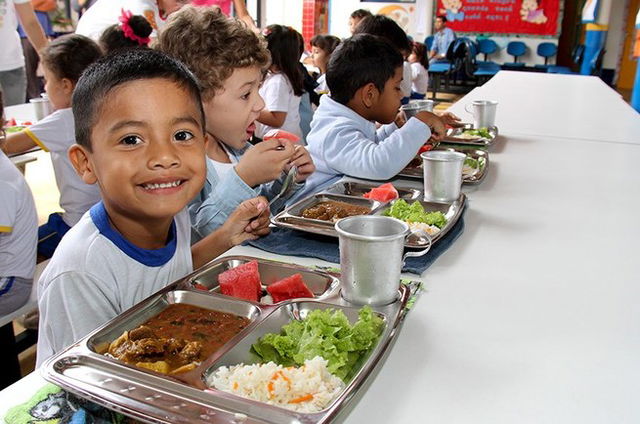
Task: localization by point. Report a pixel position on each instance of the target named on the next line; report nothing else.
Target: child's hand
(451, 120)
(401, 119)
(438, 130)
(264, 162)
(249, 221)
(302, 159)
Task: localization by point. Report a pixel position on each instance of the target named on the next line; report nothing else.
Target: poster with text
(504, 17)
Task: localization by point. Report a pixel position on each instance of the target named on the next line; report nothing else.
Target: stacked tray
(351, 192)
(186, 398)
(457, 136)
(469, 175)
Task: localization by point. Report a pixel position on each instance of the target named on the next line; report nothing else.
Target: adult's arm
(30, 25)
(240, 7)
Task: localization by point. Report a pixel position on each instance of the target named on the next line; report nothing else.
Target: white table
(532, 315)
(557, 106)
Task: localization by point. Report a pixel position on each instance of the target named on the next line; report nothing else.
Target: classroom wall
(615, 36)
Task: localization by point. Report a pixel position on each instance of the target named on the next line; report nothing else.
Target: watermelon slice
(242, 282)
(425, 148)
(289, 288)
(282, 135)
(383, 193)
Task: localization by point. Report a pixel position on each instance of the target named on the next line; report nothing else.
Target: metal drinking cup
(415, 106)
(484, 113)
(442, 171)
(371, 257)
(41, 107)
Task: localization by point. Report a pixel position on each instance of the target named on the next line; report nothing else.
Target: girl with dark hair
(132, 31)
(419, 61)
(283, 85)
(321, 48)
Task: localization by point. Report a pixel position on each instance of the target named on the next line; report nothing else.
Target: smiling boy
(140, 134)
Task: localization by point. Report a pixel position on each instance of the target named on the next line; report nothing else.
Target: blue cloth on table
(284, 241)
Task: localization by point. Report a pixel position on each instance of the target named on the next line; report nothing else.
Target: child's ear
(68, 85)
(369, 95)
(81, 162)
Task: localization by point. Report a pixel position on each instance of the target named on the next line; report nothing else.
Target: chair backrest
(428, 42)
(487, 46)
(516, 49)
(547, 50)
(577, 53)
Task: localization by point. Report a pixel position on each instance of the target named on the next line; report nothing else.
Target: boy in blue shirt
(140, 134)
(364, 76)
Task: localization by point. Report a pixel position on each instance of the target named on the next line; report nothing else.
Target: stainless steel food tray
(359, 188)
(414, 169)
(289, 218)
(452, 136)
(185, 398)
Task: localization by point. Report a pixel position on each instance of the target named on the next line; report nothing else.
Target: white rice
(432, 230)
(309, 388)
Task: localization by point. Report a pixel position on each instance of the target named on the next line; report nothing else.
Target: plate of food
(474, 169)
(191, 355)
(467, 134)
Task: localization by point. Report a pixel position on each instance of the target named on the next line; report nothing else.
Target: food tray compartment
(451, 211)
(320, 283)
(100, 341)
(242, 353)
(358, 189)
(453, 136)
(298, 208)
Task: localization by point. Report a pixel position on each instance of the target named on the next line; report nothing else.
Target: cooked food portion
(471, 166)
(177, 339)
(327, 333)
(309, 388)
(417, 217)
(332, 210)
(474, 134)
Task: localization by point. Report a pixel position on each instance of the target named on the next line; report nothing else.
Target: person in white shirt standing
(419, 70)
(18, 237)
(104, 13)
(283, 86)
(63, 62)
(13, 77)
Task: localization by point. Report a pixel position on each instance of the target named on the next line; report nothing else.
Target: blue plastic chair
(547, 50)
(576, 56)
(487, 46)
(428, 42)
(516, 49)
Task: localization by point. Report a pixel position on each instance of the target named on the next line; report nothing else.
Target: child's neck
(360, 109)
(216, 152)
(147, 234)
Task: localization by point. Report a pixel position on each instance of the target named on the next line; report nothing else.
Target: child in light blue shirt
(364, 76)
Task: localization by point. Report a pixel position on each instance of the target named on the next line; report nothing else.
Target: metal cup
(442, 171)
(41, 107)
(415, 106)
(484, 113)
(371, 258)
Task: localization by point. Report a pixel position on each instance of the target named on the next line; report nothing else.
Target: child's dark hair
(383, 26)
(284, 45)
(358, 61)
(328, 43)
(115, 37)
(443, 18)
(68, 56)
(360, 14)
(120, 68)
(420, 50)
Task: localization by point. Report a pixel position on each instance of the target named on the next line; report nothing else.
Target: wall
(615, 36)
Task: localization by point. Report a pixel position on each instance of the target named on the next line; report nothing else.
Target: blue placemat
(284, 241)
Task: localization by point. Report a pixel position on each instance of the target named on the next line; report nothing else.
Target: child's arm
(264, 162)
(249, 221)
(272, 119)
(17, 143)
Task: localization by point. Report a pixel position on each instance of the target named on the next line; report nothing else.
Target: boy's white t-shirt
(55, 134)
(11, 56)
(420, 78)
(18, 223)
(278, 96)
(95, 274)
(104, 13)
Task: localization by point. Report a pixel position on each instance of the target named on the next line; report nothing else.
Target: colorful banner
(636, 46)
(590, 11)
(506, 17)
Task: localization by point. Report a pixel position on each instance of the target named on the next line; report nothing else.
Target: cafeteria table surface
(532, 315)
(556, 106)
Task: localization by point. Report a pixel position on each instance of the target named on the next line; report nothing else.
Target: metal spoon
(287, 185)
